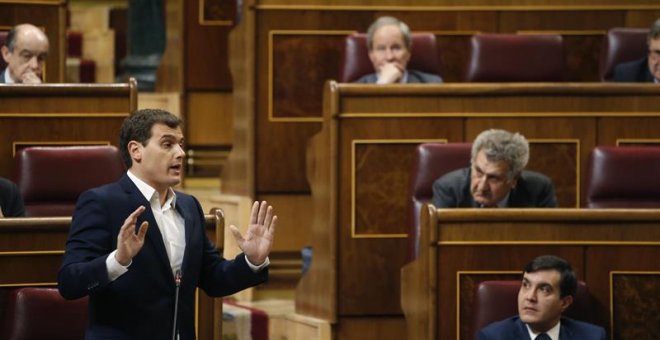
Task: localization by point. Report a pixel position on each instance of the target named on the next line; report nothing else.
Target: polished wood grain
(474, 245)
(358, 168)
(31, 251)
(61, 114)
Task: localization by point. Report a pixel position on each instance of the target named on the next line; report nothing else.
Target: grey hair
(501, 145)
(387, 21)
(654, 32)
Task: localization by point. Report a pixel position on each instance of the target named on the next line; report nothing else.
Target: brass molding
(354, 144)
(15, 145)
(57, 115)
(552, 243)
(512, 8)
(497, 114)
(269, 90)
(564, 32)
(29, 284)
(31, 252)
(620, 141)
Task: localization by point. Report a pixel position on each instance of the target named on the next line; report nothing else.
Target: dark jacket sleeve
(11, 200)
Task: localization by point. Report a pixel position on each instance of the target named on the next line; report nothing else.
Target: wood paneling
(604, 246)
(206, 47)
(359, 164)
(209, 118)
(61, 114)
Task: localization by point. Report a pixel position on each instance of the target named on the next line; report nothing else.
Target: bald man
(25, 52)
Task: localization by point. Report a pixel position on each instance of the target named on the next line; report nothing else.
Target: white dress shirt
(553, 332)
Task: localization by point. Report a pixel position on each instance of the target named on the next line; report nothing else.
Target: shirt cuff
(115, 269)
(258, 268)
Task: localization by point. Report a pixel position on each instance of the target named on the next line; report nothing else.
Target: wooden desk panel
(466, 246)
(358, 168)
(61, 114)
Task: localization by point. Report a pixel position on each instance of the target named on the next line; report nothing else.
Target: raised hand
(128, 242)
(258, 239)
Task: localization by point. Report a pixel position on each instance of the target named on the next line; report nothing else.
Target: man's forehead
(549, 276)
(482, 162)
(159, 130)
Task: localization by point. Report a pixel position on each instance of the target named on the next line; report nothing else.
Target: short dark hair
(138, 126)
(10, 41)
(568, 279)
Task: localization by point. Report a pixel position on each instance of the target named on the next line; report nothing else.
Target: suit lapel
(153, 235)
(521, 330)
(188, 227)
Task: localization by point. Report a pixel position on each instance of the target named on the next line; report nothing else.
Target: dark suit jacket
(532, 190)
(414, 77)
(11, 201)
(2, 77)
(514, 329)
(140, 303)
(633, 71)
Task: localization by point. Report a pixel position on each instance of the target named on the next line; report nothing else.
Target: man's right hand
(390, 73)
(30, 78)
(128, 242)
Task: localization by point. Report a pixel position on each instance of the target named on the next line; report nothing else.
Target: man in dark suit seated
(139, 249)
(389, 42)
(11, 202)
(548, 288)
(25, 52)
(643, 70)
(496, 177)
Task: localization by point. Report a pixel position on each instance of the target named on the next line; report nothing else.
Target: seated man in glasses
(643, 70)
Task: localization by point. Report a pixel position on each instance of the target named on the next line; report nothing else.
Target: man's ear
(565, 302)
(5, 53)
(135, 150)
(514, 180)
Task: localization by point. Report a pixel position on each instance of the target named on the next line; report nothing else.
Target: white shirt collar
(8, 78)
(553, 332)
(150, 193)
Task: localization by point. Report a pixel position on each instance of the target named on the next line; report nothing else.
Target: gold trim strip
(28, 284)
(458, 290)
(354, 143)
(34, 2)
(637, 140)
(62, 115)
(553, 243)
(564, 32)
(15, 144)
(498, 114)
(31, 252)
(526, 8)
(271, 87)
